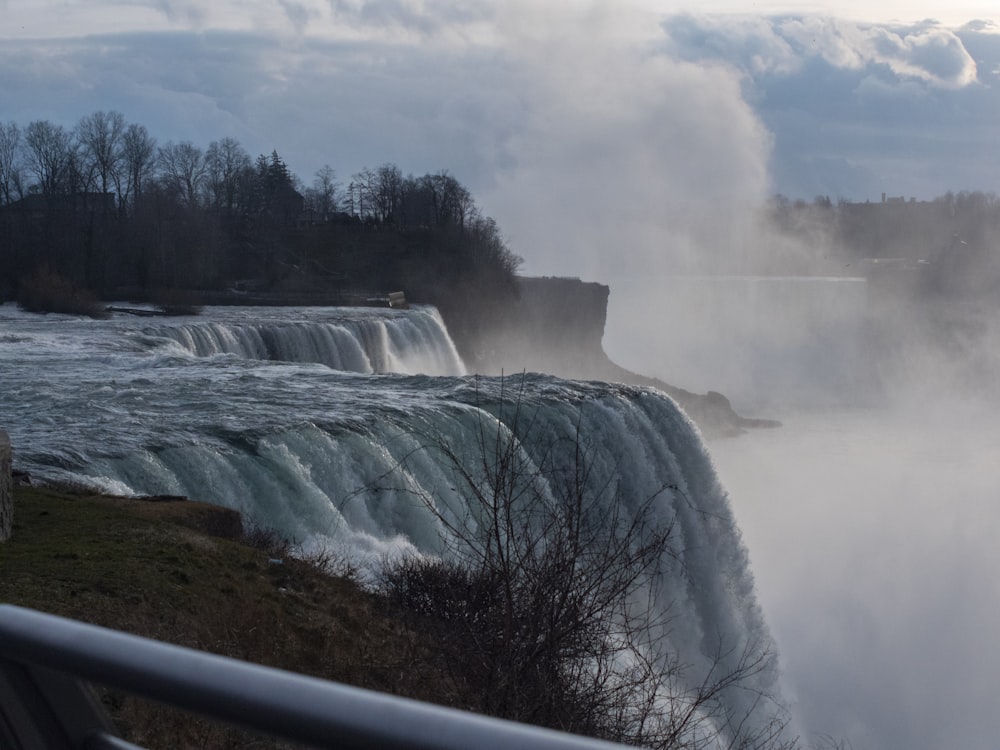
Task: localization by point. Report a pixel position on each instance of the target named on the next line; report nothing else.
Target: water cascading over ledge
(408, 342)
(357, 484)
(345, 461)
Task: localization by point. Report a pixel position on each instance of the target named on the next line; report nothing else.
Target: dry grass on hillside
(185, 572)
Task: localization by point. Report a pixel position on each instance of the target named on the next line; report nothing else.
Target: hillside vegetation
(531, 618)
(947, 248)
(189, 573)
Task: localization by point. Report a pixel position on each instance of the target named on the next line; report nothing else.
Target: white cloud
(299, 14)
(752, 43)
(934, 55)
(857, 109)
(840, 43)
(784, 46)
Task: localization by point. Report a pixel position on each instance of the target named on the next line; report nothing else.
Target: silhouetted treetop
(109, 209)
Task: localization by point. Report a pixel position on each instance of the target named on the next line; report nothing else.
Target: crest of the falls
(363, 340)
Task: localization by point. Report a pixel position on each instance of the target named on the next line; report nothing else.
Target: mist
(872, 536)
(871, 514)
(627, 159)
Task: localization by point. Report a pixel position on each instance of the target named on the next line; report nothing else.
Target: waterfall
(368, 341)
(373, 486)
(258, 415)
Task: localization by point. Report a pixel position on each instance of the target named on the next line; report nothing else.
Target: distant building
(894, 200)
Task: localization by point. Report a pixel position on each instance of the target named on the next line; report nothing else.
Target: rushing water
(317, 423)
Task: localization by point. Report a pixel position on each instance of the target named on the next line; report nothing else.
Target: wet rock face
(555, 327)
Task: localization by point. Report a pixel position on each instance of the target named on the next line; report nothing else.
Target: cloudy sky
(580, 126)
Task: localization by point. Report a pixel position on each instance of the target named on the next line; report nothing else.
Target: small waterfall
(371, 341)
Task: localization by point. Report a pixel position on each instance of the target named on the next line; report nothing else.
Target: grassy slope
(182, 572)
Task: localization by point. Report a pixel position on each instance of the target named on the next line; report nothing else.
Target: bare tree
(138, 156)
(387, 193)
(100, 136)
(183, 169)
(324, 191)
(49, 156)
(438, 200)
(361, 193)
(226, 162)
(378, 194)
(546, 608)
(11, 177)
(459, 203)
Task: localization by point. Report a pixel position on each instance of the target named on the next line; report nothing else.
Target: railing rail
(44, 661)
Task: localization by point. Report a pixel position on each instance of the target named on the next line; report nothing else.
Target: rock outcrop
(557, 327)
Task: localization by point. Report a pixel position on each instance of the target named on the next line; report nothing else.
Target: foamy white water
(253, 409)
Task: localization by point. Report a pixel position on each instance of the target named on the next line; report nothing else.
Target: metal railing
(45, 702)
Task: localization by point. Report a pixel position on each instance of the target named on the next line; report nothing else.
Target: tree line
(950, 245)
(104, 154)
(111, 209)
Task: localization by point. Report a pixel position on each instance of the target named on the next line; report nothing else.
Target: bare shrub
(325, 560)
(45, 291)
(268, 540)
(332, 563)
(544, 606)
